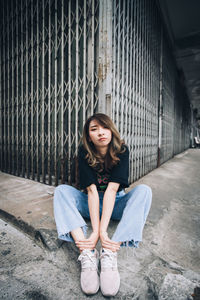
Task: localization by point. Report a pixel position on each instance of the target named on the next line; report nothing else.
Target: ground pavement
(167, 264)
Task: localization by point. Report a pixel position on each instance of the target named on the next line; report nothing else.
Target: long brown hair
(115, 147)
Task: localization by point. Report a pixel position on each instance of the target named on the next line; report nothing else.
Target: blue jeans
(131, 209)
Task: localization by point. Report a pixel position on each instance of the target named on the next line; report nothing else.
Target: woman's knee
(144, 188)
(61, 190)
(141, 192)
(147, 193)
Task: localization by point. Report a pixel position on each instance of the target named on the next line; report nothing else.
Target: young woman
(103, 174)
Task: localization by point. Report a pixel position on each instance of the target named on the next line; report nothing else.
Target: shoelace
(88, 260)
(108, 259)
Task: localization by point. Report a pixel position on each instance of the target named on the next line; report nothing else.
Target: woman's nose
(100, 131)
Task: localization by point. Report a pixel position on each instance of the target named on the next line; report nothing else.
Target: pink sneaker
(89, 271)
(109, 277)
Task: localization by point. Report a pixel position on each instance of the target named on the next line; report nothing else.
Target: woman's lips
(102, 139)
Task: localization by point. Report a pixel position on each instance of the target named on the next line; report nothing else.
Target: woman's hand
(89, 243)
(108, 243)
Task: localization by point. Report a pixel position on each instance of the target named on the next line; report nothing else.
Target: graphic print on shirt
(103, 180)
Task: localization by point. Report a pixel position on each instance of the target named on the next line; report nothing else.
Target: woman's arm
(108, 205)
(93, 204)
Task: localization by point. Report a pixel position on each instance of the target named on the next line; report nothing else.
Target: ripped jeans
(131, 209)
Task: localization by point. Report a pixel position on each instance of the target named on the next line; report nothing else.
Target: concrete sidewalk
(29, 205)
(169, 256)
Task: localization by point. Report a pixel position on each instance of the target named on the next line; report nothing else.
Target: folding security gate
(144, 93)
(48, 85)
(63, 60)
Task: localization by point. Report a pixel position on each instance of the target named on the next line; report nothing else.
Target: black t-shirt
(88, 175)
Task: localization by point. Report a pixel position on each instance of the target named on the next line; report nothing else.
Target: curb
(43, 237)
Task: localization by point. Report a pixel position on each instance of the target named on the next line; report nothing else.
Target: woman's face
(99, 135)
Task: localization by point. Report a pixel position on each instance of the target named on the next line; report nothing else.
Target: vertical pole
(191, 127)
(37, 97)
(148, 90)
(118, 64)
(8, 163)
(140, 90)
(4, 90)
(77, 76)
(109, 58)
(17, 89)
(69, 92)
(156, 89)
(22, 94)
(13, 96)
(114, 103)
(1, 101)
(27, 106)
(84, 59)
(150, 82)
(122, 73)
(32, 91)
(160, 101)
(49, 99)
(43, 94)
(62, 97)
(105, 56)
(136, 91)
(145, 89)
(145, 102)
(173, 114)
(55, 94)
(134, 94)
(131, 94)
(143, 82)
(92, 61)
(127, 83)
